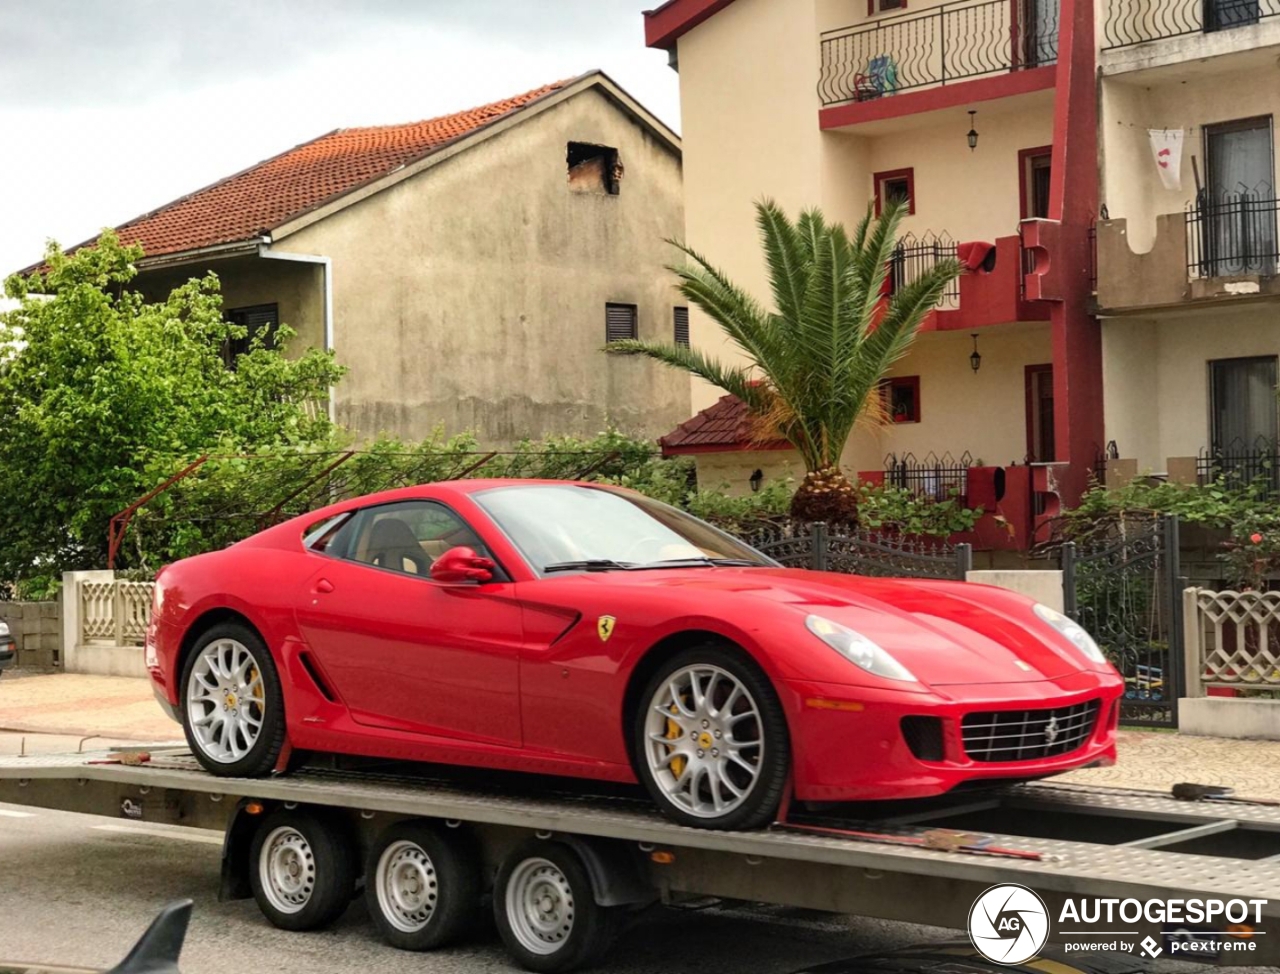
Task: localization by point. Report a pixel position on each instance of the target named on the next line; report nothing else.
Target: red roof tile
(723, 426)
(273, 192)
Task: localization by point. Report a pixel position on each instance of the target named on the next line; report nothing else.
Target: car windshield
(573, 528)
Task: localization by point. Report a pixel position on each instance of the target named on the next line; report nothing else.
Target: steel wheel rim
(287, 868)
(539, 904)
(226, 701)
(407, 886)
(704, 741)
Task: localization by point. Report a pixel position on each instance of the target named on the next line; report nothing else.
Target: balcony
(943, 45)
(1130, 22)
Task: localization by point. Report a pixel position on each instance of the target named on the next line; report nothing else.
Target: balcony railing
(915, 255)
(942, 45)
(1242, 464)
(935, 477)
(1233, 236)
(1137, 21)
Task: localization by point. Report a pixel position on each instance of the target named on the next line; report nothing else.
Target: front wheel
(711, 740)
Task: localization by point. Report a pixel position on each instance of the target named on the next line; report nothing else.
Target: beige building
(1188, 255)
(465, 269)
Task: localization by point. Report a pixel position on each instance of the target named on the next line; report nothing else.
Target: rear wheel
(546, 910)
(232, 706)
(422, 885)
(303, 869)
(711, 740)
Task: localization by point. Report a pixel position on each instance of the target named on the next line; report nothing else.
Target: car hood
(946, 633)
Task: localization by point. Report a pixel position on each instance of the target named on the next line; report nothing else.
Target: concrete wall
(1045, 587)
(37, 630)
(731, 472)
(1156, 375)
(473, 294)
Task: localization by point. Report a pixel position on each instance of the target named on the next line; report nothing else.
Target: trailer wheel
(422, 885)
(302, 869)
(546, 910)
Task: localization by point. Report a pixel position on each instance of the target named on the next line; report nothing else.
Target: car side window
(408, 537)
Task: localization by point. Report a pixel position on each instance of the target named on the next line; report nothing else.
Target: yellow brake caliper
(673, 734)
(257, 697)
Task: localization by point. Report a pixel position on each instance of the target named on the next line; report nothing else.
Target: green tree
(98, 386)
(813, 366)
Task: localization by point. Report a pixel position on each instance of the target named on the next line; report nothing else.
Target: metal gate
(1126, 592)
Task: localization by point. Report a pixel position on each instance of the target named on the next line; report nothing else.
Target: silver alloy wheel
(704, 740)
(407, 886)
(226, 700)
(287, 868)
(539, 904)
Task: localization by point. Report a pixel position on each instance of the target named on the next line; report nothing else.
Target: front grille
(924, 737)
(1024, 735)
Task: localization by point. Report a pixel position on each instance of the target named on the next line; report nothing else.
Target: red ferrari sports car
(576, 629)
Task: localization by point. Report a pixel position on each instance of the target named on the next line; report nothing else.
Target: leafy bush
(901, 510)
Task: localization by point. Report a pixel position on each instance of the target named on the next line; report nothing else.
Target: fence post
(964, 561)
(1069, 606)
(818, 535)
(1193, 643)
(117, 611)
(1170, 541)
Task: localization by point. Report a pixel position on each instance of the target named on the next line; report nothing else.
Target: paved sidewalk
(124, 709)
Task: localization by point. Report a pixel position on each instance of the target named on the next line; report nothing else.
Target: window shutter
(682, 327)
(620, 322)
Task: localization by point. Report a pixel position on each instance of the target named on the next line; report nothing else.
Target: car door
(405, 652)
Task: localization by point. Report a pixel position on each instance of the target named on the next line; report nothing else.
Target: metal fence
(914, 256)
(799, 544)
(936, 477)
(1137, 21)
(1241, 464)
(944, 44)
(1234, 235)
(1232, 640)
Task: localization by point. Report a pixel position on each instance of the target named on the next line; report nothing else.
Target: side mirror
(462, 565)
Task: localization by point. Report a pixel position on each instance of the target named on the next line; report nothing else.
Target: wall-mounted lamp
(973, 132)
(756, 480)
(975, 359)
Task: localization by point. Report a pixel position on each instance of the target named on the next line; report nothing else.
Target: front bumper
(8, 653)
(848, 743)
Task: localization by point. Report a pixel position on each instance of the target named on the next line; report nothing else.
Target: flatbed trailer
(1065, 842)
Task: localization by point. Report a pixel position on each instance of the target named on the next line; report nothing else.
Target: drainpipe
(326, 269)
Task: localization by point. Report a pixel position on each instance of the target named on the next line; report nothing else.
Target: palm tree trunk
(826, 495)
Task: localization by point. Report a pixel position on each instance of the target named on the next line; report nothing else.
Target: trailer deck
(1095, 842)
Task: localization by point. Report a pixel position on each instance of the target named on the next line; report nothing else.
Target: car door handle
(324, 586)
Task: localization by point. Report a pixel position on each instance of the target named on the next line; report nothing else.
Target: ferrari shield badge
(605, 626)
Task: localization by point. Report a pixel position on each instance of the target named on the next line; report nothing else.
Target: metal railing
(942, 45)
(1131, 22)
(1241, 464)
(936, 477)
(914, 256)
(857, 551)
(1232, 640)
(1232, 236)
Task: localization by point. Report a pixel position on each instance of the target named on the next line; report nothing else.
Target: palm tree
(814, 366)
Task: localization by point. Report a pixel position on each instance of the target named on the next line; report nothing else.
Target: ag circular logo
(1008, 924)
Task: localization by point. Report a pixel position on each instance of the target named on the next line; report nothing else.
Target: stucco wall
(731, 472)
(473, 294)
(1156, 376)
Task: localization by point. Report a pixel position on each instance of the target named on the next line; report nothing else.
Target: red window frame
(911, 382)
(880, 178)
(1024, 165)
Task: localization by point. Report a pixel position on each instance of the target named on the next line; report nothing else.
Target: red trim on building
(664, 26)
(933, 99)
(1024, 156)
(909, 174)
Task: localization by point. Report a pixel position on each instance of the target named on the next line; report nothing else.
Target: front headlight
(4, 629)
(1074, 632)
(858, 649)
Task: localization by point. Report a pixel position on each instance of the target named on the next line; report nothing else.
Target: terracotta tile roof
(721, 427)
(273, 192)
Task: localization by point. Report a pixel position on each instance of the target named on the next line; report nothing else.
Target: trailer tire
(422, 885)
(302, 869)
(546, 910)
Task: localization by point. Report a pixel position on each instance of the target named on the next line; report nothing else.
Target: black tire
(327, 869)
(261, 758)
(764, 795)
(579, 931)
(446, 865)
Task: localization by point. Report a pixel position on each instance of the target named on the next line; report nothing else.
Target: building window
(259, 319)
(594, 169)
(884, 6)
(896, 186)
(1242, 402)
(682, 327)
(902, 398)
(621, 321)
(1035, 167)
(1040, 419)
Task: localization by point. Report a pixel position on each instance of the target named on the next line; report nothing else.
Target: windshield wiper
(692, 562)
(588, 565)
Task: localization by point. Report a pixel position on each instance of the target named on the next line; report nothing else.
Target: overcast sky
(110, 108)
